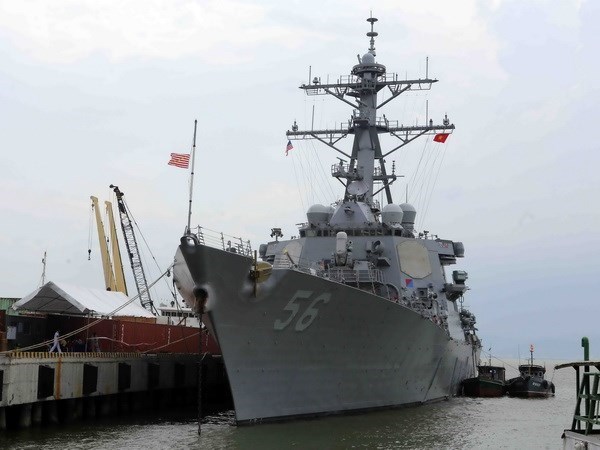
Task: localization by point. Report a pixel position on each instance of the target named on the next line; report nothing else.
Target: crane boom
(133, 251)
(109, 277)
(121, 286)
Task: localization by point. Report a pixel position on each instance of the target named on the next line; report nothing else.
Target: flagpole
(188, 229)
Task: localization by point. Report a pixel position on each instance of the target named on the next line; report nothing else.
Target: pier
(48, 388)
(110, 364)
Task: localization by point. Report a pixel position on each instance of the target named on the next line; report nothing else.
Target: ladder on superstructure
(133, 251)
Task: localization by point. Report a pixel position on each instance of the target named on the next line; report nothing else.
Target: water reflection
(456, 424)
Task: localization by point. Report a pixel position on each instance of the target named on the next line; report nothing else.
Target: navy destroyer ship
(357, 312)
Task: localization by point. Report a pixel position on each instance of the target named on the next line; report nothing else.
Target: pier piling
(36, 414)
(25, 415)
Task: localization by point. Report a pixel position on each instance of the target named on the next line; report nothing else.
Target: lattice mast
(367, 78)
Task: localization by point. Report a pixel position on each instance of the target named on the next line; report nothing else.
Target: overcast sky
(94, 93)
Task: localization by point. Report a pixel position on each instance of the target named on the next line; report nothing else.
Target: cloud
(100, 92)
(220, 32)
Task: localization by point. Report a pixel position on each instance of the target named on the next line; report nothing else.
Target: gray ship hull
(305, 345)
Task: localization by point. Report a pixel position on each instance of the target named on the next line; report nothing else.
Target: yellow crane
(116, 253)
(114, 279)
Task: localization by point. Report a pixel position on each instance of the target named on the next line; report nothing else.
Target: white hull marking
(309, 315)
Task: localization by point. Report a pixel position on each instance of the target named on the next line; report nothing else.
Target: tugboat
(490, 382)
(530, 382)
(355, 313)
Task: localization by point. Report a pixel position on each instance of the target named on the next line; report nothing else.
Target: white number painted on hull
(309, 315)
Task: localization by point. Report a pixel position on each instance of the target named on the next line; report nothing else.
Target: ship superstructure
(357, 312)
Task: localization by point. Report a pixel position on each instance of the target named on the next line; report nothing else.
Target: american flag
(181, 160)
(289, 147)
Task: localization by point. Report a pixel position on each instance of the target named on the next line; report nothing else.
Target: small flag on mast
(181, 160)
(288, 147)
(441, 137)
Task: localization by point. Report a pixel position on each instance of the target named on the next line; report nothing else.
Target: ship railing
(340, 169)
(343, 170)
(220, 240)
(384, 122)
(371, 279)
(351, 79)
(282, 262)
(286, 261)
(347, 275)
(344, 275)
(420, 307)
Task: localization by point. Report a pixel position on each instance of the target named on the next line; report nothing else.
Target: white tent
(62, 298)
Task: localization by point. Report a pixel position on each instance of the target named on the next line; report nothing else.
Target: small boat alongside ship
(490, 382)
(531, 381)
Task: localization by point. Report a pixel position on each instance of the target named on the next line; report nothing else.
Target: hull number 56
(293, 308)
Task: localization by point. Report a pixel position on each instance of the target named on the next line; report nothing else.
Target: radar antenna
(372, 34)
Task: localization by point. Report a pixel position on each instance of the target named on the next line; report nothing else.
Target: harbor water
(460, 423)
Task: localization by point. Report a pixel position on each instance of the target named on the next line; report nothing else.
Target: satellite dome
(391, 215)
(368, 58)
(318, 214)
(410, 213)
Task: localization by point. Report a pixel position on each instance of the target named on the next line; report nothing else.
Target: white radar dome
(391, 215)
(318, 214)
(368, 58)
(410, 213)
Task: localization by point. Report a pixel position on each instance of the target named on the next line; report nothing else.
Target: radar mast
(361, 177)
